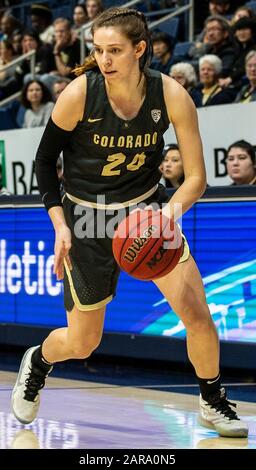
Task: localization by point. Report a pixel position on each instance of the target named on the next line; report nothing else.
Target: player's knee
(198, 319)
(84, 348)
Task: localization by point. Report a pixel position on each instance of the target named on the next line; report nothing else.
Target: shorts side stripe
(186, 251)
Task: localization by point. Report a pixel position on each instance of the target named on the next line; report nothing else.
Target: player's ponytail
(89, 63)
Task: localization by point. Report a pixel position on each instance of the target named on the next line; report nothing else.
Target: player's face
(240, 166)
(115, 54)
(172, 167)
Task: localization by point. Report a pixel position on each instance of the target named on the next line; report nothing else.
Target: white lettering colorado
(15, 270)
(128, 141)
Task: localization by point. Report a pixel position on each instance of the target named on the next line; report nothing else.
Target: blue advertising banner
(222, 238)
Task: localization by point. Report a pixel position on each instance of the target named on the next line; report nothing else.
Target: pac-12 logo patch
(156, 114)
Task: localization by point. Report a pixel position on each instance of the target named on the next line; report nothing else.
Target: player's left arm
(182, 114)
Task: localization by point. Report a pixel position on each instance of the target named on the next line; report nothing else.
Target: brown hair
(250, 13)
(133, 25)
(46, 94)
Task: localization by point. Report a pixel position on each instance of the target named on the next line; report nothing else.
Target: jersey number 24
(117, 159)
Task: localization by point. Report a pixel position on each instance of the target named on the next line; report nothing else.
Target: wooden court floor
(84, 415)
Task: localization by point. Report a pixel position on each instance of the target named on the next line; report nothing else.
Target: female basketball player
(109, 122)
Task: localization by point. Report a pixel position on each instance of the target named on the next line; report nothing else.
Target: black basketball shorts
(91, 284)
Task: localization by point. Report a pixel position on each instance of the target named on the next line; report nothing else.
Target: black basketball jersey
(115, 158)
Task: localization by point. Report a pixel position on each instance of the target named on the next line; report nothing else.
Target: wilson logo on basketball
(139, 243)
(156, 258)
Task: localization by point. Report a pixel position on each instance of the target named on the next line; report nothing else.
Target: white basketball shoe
(25, 395)
(218, 414)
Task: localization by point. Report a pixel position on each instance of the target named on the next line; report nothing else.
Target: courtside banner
(17, 150)
(222, 238)
(219, 126)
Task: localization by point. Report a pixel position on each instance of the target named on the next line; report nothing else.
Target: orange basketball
(147, 244)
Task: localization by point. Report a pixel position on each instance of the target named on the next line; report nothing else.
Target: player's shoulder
(171, 87)
(73, 97)
(75, 89)
(175, 96)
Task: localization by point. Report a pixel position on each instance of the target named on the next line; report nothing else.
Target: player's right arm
(67, 112)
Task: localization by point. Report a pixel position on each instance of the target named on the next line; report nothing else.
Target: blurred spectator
(7, 54)
(248, 92)
(241, 165)
(162, 52)
(244, 36)
(44, 61)
(79, 17)
(219, 7)
(185, 74)
(93, 8)
(9, 24)
(172, 167)
(8, 82)
(37, 100)
(211, 92)
(216, 40)
(66, 48)
(41, 21)
(241, 12)
(17, 42)
(59, 86)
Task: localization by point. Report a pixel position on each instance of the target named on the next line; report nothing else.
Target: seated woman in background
(37, 100)
(241, 164)
(248, 92)
(210, 67)
(185, 74)
(172, 167)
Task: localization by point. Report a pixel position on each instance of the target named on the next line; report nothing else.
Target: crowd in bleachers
(218, 67)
